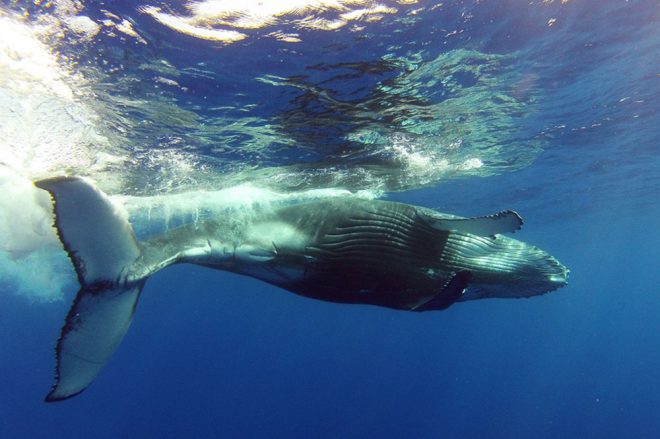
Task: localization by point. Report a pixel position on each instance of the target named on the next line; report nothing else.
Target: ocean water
(468, 107)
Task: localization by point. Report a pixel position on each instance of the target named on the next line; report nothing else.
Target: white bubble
(32, 261)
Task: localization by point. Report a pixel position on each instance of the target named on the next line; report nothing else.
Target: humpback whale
(339, 249)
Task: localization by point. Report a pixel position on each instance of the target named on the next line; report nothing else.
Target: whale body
(339, 249)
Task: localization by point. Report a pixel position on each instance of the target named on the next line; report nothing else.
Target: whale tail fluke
(102, 247)
(92, 331)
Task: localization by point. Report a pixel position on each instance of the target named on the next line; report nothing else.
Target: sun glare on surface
(226, 21)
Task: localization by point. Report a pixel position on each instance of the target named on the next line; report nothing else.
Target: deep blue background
(213, 354)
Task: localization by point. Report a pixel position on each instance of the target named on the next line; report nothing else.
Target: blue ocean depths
(468, 107)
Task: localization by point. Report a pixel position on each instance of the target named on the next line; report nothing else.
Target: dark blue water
(212, 354)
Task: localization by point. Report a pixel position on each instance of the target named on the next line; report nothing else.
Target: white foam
(32, 260)
(424, 159)
(44, 129)
(26, 63)
(44, 126)
(83, 26)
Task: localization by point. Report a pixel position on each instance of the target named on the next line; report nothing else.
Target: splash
(32, 261)
(45, 129)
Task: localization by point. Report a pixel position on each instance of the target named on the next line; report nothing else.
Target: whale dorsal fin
(506, 221)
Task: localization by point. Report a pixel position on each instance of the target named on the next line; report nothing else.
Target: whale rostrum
(339, 249)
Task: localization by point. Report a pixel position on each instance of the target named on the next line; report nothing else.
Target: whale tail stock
(101, 244)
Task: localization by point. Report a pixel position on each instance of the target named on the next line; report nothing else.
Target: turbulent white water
(47, 128)
(43, 129)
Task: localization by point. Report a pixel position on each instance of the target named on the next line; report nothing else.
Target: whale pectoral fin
(449, 294)
(506, 221)
(94, 327)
